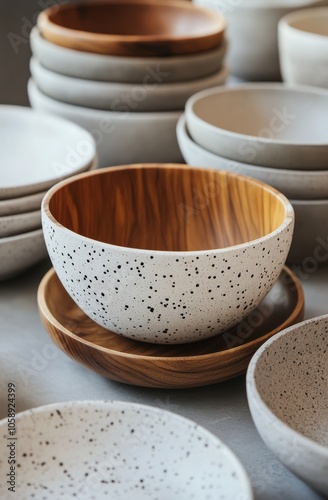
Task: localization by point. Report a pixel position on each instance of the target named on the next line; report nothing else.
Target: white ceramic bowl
(310, 240)
(303, 47)
(288, 398)
(121, 96)
(252, 34)
(153, 260)
(38, 150)
(91, 66)
(262, 124)
(20, 223)
(121, 137)
(122, 451)
(297, 184)
(21, 205)
(19, 253)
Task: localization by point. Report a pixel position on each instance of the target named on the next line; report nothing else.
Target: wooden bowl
(133, 27)
(149, 365)
(167, 253)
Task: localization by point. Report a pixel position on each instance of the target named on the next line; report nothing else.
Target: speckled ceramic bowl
(288, 398)
(166, 253)
(100, 450)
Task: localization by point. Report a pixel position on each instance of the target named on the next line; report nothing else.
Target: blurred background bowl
(134, 28)
(90, 66)
(252, 34)
(303, 47)
(287, 396)
(262, 124)
(11, 225)
(295, 184)
(167, 253)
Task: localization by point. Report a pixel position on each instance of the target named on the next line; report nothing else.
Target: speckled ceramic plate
(168, 366)
(111, 450)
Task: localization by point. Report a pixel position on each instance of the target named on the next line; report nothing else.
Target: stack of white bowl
(131, 105)
(252, 34)
(276, 134)
(37, 151)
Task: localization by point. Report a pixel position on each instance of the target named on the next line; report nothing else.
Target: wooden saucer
(166, 366)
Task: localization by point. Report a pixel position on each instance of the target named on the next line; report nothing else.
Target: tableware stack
(151, 259)
(252, 34)
(125, 71)
(303, 47)
(36, 152)
(276, 134)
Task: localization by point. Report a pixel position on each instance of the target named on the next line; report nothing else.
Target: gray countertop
(43, 374)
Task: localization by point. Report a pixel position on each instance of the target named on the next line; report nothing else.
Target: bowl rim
(121, 405)
(288, 220)
(219, 20)
(182, 130)
(253, 87)
(254, 395)
(21, 237)
(300, 15)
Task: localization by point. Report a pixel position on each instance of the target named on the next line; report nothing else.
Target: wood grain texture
(172, 208)
(163, 366)
(133, 27)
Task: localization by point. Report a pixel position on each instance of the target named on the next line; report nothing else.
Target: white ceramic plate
(38, 150)
(19, 253)
(262, 124)
(125, 69)
(21, 223)
(97, 450)
(296, 184)
(120, 96)
(122, 137)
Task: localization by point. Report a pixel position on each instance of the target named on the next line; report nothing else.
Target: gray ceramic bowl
(121, 96)
(121, 136)
(91, 66)
(310, 240)
(296, 184)
(19, 223)
(262, 124)
(288, 398)
(166, 253)
(19, 253)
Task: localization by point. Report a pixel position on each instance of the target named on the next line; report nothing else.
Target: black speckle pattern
(110, 450)
(160, 297)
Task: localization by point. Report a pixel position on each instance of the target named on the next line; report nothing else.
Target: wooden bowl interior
(169, 209)
(135, 19)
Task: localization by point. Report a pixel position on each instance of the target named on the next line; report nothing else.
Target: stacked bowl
(276, 134)
(37, 151)
(124, 71)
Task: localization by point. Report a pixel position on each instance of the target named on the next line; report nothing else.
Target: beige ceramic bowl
(288, 398)
(166, 253)
(262, 124)
(303, 47)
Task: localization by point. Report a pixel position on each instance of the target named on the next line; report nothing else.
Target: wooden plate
(175, 366)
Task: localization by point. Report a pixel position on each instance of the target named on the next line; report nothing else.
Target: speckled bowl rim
(254, 395)
(253, 87)
(42, 304)
(288, 219)
(126, 406)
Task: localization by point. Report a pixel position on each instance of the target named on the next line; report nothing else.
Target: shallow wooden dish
(133, 27)
(177, 366)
